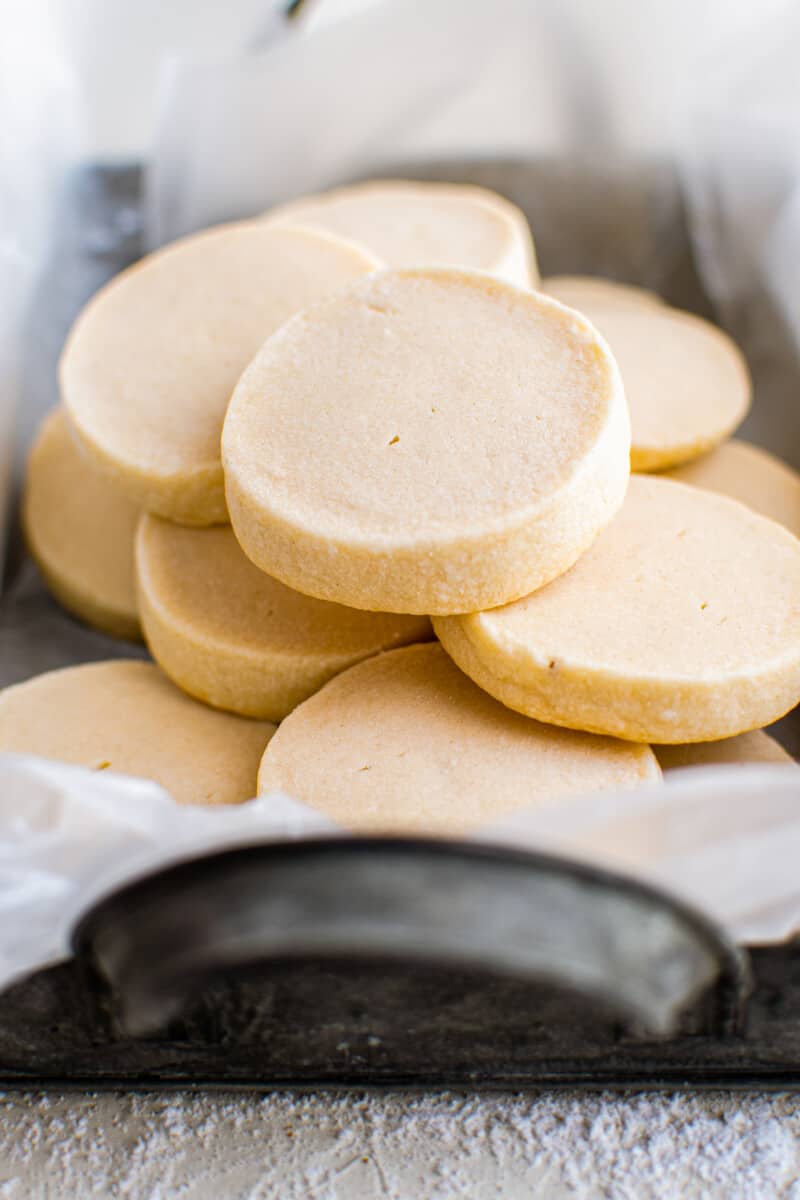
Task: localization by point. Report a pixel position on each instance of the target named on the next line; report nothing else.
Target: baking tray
(377, 961)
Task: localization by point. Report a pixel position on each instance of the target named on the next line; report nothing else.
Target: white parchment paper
(69, 835)
(726, 841)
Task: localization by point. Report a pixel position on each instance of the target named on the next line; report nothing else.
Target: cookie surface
(759, 479)
(680, 624)
(80, 529)
(408, 224)
(753, 747)
(151, 362)
(127, 717)
(405, 743)
(236, 638)
(686, 381)
(593, 292)
(429, 441)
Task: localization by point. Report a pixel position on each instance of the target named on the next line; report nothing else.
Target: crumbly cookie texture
(80, 528)
(238, 639)
(686, 382)
(410, 224)
(680, 624)
(127, 717)
(429, 441)
(405, 743)
(151, 362)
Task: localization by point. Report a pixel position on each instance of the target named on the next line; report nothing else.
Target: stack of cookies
(354, 470)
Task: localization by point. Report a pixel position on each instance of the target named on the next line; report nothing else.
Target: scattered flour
(407, 1146)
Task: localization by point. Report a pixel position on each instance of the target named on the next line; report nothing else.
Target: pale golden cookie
(151, 362)
(127, 717)
(409, 224)
(686, 381)
(590, 292)
(753, 747)
(430, 441)
(760, 480)
(404, 743)
(80, 528)
(236, 638)
(680, 624)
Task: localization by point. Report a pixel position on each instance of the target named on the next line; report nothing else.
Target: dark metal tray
(406, 962)
(377, 961)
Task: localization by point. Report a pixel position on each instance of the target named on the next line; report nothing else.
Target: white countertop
(736, 1146)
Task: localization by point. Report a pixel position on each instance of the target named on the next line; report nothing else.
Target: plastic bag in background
(315, 107)
(36, 124)
(37, 129)
(450, 78)
(115, 53)
(740, 159)
(16, 283)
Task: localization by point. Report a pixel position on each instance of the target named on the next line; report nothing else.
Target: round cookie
(686, 382)
(680, 624)
(593, 292)
(404, 743)
(127, 717)
(753, 747)
(760, 480)
(236, 638)
(430, 441)
(80, 529)
(151, 362)
(409, 224)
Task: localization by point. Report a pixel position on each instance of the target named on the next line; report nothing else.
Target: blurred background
(270, 103)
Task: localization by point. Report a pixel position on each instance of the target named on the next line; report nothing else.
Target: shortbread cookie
(404, 743)
(127, 717)
(753, 747)
(680, 624)
(594, 292)
(409, 224)
(430, 441)
(151, 362)
(686, 382)
(80, 528)
(238, 639)
(760, 480)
